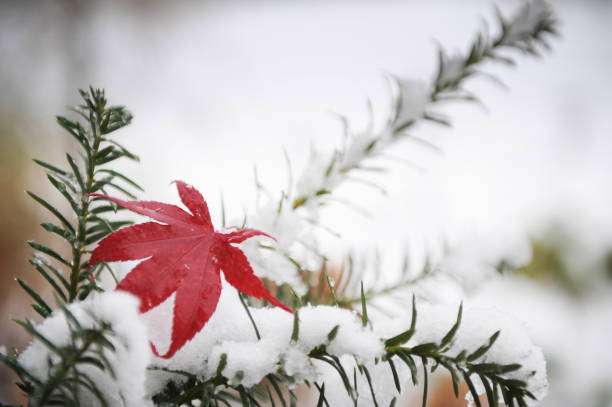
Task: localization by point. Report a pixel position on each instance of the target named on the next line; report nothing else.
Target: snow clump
(128, 335)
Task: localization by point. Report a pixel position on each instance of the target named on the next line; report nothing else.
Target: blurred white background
(219, 87)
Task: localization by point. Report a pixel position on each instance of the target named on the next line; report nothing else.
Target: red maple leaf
(185, 254)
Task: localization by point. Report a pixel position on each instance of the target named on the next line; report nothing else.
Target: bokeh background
(220, 87)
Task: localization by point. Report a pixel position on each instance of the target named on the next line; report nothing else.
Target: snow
(288, 230)
(475, 259)
(249, 360)
(356, 150)
(414, 97)
(315, 176)
(129, 337)
(453, 69)
(569, 329)
(478, 324)
(525, 21)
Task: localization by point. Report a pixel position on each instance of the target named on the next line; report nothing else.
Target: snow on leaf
(185, 255)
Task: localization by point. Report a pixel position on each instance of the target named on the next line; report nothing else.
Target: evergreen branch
(76, 183)
(65, 379)
(497, 378)
(59, 386)
(412, 103)
(527, 31)
(461, 366)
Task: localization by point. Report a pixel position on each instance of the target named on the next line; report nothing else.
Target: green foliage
(462, 366)
(66, 379)
(68, 277)
(217, 391)
(86, 174)
(512, 35)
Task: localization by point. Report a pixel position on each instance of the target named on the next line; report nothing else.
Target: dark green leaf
(332, 334)
(66, 234)
(98, 185)
(371, 146)
(364, 309)
(507, 396)
(104, 209)
(111, 156)
(437, 119)
(489, 391)
(407, 359)
(42, 311)
(124, 151)
(369, 380)
(92, 361)
(460, 356)
(31, 329)
(122, 190)
(295, 333)
(62, 189)
(424, 382)
(50, 279)
(41, 260)
(123, 177)
(322, 400)
(483, 349)
(451, 334)
(107, 226)
(277, 388)
(48, 251)
(103, 153)
(466, 376)
(76, 171)
(454, 377)
(494, 368)
(406, 335)
(330, 284)
(75, 130)
(94, 238)
(49, 167)
(395, 376)
(514, 382)
(425, 349)
(246, 308)
(341, 372)
(52, 210)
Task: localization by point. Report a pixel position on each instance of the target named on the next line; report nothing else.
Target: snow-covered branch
(290, 216)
